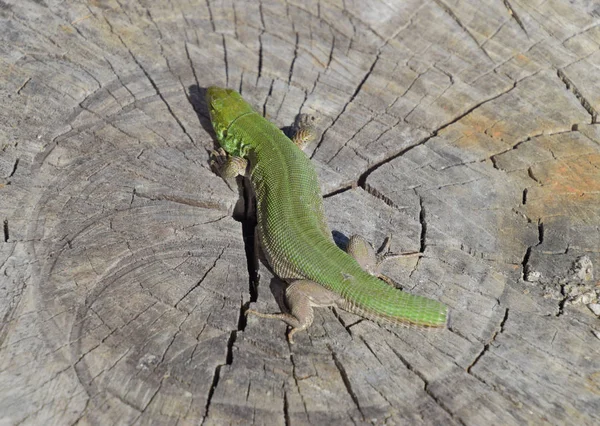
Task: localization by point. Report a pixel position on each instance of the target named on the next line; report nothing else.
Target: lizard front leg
(226, 166)
(301, 296)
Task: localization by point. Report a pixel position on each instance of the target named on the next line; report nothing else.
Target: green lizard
(292, 231)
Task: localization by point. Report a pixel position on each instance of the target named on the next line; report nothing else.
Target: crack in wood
(294, 58)
(84, 411)
(532, 176)
(345, 378)
(423, 222)
(210, 16)
(125, 12)
(486, 347)
(339, 191)
(456, 19)
(525, 263)
(350, 139)
(189, 59)
(22, 86)
(371, 350)
(426, 384)
(295, 376)
(149, 15)
(217, 373)
(286, 408)
(194, 287)
(361, 181)
(269, 94)
(513, 14)
(352, 97)
(260, 54)
(248, 222)
(235, 21)
(160, 384)
(158, 92)
(582, 100)
(180, 200)
(330, 58)
(343, 323)
(226, 61)
(377, 194)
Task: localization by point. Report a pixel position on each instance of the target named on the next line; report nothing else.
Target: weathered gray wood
(466, 130)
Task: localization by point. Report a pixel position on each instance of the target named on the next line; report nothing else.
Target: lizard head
(225, 106)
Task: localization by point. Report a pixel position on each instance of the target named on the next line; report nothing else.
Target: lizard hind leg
(364, 254)
(301, 296)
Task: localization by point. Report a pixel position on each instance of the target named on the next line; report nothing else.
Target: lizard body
(292, 230)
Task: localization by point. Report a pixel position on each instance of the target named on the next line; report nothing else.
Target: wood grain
(466, 130)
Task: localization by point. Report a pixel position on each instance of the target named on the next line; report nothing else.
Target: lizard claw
(290, 336)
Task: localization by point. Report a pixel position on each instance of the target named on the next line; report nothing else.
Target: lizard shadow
(243, 210)
(197, 98)
(277, 287)
(340, 240)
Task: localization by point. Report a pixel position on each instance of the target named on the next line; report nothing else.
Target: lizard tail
(384, 304)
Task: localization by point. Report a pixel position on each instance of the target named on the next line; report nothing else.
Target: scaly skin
(292, 230)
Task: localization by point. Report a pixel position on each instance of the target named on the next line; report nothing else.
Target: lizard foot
(227, 167)
(291, 320)
(301, 296)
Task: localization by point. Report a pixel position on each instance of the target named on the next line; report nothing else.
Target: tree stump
(466, 130)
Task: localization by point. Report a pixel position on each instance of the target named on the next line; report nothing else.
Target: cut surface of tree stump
(466, 130)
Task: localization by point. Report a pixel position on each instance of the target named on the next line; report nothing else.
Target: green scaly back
(291, 224)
